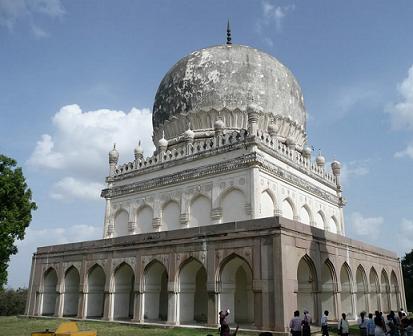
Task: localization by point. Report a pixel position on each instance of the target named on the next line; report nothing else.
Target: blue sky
(76, 76)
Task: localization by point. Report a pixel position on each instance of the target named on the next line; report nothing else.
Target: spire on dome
(228, 34)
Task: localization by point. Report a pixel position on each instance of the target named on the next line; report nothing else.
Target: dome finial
(228, 34)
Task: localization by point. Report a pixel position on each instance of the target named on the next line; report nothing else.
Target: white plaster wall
(266, 205)
(287, 210)
(121, 223)
(304, 216)
(233, 207)
(319, 220)
(71, 295)
(200, 211)
(144, 219)
(170, 216)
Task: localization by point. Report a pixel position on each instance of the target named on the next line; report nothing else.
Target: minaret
(228, 34)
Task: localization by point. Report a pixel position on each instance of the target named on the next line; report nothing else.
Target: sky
(77, 76)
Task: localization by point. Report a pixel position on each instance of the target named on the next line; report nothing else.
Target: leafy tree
(15, 211)
(407, 267)
(12, 302)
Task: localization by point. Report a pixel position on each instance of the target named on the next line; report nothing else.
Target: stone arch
(306, 285)
(394, 292)
(346, 290)
(121, 222)
(328, 288)
(306, 216)
(193, 295)
(71, 291)
(232, 202)
(123, 280)
(96, 280)
(155, 291)
(170, 218)
(200, 210)
(374, 290)
(235, 279)
(362, 290)
(333, 225)
(320, 220)
(268, 204)
(288, 209)
(144, 217)
(385, 291)
(50, 294)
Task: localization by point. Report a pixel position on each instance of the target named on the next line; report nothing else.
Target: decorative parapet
(229, 140)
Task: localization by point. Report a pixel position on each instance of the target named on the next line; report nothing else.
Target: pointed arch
(374, 290)
(123, 280)
(268, 203)
(50, 294)
(346, 290)
(385, 291)
(155, 291)
(121, 221)
(144, 217)
(328, 288)
(96, 280)
(288, 209)
(235, 278)
(307, 285)
(170, 217)
(200, 210)
(394, 292)
(320, 220)
(232, 201)
(193, 295)
(333, 225)
(362, 289)
(306, 216)
(71, 291)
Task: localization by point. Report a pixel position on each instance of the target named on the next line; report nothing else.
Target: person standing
(343, 326)
(362, 322)
(370, 325)
(380, 327)
(295, 324)
(324, 324)
(307, 320)
(224, 327)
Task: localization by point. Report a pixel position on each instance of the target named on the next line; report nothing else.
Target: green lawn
(21, 326)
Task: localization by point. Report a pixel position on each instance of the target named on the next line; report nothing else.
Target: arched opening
(374, 290)
(193, 295)
(394, 292)
(345, 280)
(200, 211)
(123, 299)
(328, 289)
(307, 285)
(50, 292)
(121, 223)
(156, 292)
(233, 206)
(319, 220)
(267, 205)
(236, 294)
(333, 227)
(95, 292)
(385, 292)
(170, 216)
(305, 215)
(71, 294)
(144, 219)
(362, 291)
(287, 209)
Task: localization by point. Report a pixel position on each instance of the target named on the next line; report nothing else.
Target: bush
(12, 302)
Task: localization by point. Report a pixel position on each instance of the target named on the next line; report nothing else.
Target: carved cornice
(238, 163)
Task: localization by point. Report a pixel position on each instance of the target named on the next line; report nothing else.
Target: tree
(12, 302)
(15, 211)
(407, 267)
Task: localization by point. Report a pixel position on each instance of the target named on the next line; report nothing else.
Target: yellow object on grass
(66, 329)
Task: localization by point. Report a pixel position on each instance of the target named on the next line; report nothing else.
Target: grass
(22, 326)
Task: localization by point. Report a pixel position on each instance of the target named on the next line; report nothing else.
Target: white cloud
(402, 112)
(79, 145)
(407, 152)
(405, 235)
(69, 188)
(20, 263)
(354, 169)
(369, 227)
(12, 11)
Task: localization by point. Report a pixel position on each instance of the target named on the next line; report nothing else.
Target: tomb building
(232, 210)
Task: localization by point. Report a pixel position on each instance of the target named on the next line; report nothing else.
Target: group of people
(394, 324)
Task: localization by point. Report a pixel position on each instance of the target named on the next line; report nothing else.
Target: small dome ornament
(138, 151)
(307, 151)
(113, 155)
(163, 143)
(189, 134)
(219, 124)
(290, 142)
(320, 160)
(336, 167)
